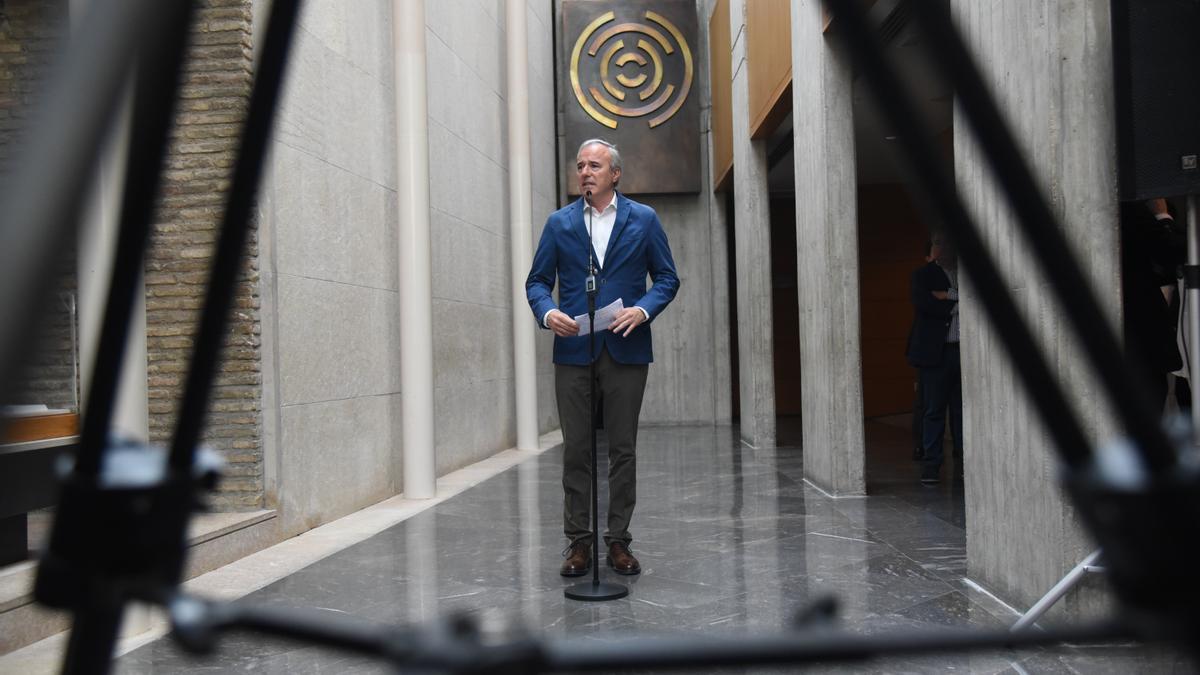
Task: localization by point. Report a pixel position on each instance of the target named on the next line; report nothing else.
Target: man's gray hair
(614, 155)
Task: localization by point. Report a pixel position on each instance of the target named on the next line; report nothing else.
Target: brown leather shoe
(621, 560)
(579, 560)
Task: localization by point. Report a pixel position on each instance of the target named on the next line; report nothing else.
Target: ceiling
(876, 155)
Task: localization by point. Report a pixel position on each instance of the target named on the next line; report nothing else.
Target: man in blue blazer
(618, 242)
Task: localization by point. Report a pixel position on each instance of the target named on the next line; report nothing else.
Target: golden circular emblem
(629, 59)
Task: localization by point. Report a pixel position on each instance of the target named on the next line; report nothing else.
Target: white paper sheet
(604, 317)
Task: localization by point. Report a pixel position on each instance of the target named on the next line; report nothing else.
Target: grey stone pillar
(752, 241)
(722, 362)
(1050, 66)
(827, 257)
(415, 256)
(520, 195)
(718, 243)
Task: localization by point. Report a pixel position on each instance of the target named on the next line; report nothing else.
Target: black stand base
(596, 590)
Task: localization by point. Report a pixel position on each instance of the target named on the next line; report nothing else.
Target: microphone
(590, 282)
(588, 200)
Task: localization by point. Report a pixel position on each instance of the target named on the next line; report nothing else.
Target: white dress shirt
(601, 222)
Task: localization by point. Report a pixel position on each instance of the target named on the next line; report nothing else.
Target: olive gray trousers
(621, 387)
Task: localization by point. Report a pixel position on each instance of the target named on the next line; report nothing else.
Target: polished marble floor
(731, 540)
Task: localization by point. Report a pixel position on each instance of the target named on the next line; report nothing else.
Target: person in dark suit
(1152, 249)
(933, 351)
(618, 242)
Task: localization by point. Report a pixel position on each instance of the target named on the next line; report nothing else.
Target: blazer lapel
(579, 227)
(623, 210)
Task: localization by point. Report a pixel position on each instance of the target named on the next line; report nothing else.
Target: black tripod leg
(595, 459)
(94, 629)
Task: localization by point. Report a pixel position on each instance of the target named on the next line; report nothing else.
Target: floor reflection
(731, 541)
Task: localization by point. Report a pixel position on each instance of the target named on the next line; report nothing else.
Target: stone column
(415, 256)
(752, 242)
(1050, 66)
(827, 256)
(722, 366)
(520, 195)
(97, 245)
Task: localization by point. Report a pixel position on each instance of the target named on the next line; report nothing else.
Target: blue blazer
(637, 248)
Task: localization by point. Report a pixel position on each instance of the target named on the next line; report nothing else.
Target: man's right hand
(561, 324)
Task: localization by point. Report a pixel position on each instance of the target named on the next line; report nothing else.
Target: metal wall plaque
(628, 75)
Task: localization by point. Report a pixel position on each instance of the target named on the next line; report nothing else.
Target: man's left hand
(627, 319)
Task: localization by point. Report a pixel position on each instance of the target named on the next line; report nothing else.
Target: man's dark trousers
(621, 386)
(941, 386)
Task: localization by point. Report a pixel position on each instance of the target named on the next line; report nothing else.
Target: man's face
(594, 170)
(943, 252)
(948, 256)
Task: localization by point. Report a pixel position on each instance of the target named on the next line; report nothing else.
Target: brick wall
(214, 101)
(30, 36)
(213, 105)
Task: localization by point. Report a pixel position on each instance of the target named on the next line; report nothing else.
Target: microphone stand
(596, 590)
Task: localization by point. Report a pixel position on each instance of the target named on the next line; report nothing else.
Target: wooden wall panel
(891, 240)
(721, 75)
(769, 59)
(39, 427)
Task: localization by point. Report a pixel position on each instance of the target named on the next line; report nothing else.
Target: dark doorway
(785, 306)
(893, 233)
(785, 290)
